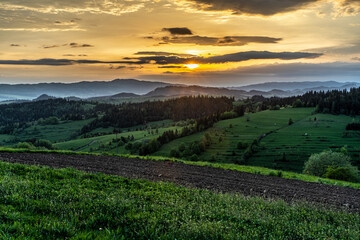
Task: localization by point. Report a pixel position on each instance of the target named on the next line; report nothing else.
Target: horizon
(206, 43)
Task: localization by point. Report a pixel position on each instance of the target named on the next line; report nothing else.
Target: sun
(192, 66)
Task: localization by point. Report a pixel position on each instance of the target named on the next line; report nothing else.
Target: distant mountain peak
(43, 97)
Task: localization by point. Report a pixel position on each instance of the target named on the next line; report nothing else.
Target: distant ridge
(44, 97)
(79, 89)
(298, 86)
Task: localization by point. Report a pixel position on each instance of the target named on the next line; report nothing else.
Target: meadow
(63, 131)
(44, 203)
(106, 143)
(288, 148)
(226, 134)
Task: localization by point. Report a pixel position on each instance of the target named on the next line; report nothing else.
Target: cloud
(73, 55)
(20, 29)
(347, 7)
(178, 31)
(50, 46)
(14, 45)
(253, 55)
(356, 59)
(250, 7)
(111, 7)
(220, 41)
(55, 62)
(77, 45)
(72, 45)
(168, 60)
(116, 68)
(164, 54)
(171, 66)
(234, 57)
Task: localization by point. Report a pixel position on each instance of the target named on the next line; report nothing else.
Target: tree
(331, 164)
(290, 121)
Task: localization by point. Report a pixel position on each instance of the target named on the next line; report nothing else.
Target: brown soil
(199, 177)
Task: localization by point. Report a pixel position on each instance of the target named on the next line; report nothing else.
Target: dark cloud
(164, 54)
(50, 46)
(178, 31)
(77, 45)
(253, 7)
(72, 45)
(73, 55)
(171, 66)
(234, 57)
(168, 60)
(116, 68)
(14, 45)
(59, 62)
(254, 55)
(220, 41)
(356, 58)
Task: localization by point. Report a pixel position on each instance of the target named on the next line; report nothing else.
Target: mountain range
(132, 88)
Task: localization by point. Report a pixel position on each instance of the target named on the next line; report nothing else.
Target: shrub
(290, 121)
(335, 165)
(228, 115)
(25, 145)
(43, 143)
(349, 173)
(194, 158)
(174, 153)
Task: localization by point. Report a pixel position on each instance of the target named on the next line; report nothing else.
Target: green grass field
(105, 143)
(241, 130)
(44, 203)
(65, 130)
(305, 137)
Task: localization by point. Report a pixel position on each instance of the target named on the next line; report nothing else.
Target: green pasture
(45, 203)
(298, 141)
(106, 143)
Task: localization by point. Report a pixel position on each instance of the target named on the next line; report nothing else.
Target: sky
(203, 42)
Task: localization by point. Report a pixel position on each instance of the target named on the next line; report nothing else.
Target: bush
(228, 115)
(43, 143)
(194, 158)
(335, 165)
(24, 145)
(349, 173)
(174, 153)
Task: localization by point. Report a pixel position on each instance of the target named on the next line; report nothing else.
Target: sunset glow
(192, 66)
(239, 42)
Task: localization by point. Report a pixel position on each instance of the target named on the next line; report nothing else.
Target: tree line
(132, 114)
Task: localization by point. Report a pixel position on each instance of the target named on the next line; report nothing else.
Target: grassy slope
(293, 141)
(40, 202)
(101, 143)
(242, 130)
(55, 133)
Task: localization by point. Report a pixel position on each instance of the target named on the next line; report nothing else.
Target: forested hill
(31, 111)
(334, 102)
(130, 114)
